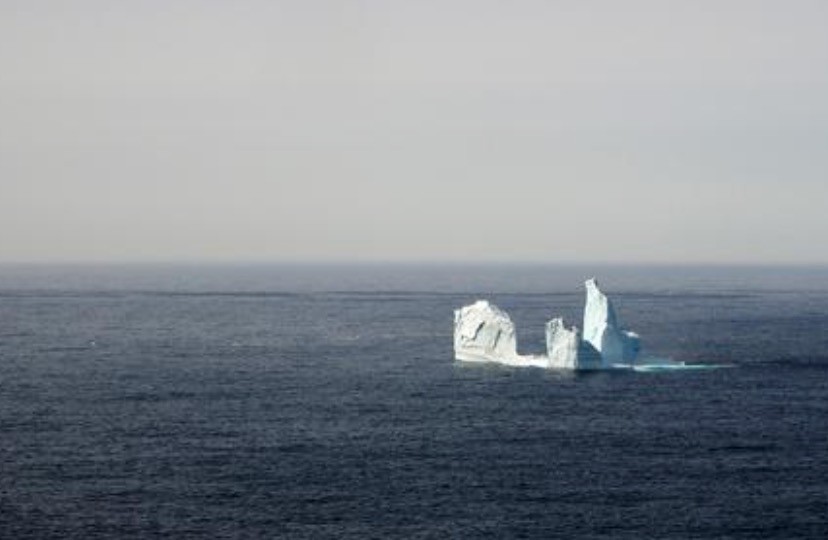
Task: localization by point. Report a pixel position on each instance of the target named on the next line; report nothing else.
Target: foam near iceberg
(485, 333)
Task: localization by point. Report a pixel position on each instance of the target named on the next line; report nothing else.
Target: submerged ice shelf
(485, 333)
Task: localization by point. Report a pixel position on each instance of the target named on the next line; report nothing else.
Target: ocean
(323, 401)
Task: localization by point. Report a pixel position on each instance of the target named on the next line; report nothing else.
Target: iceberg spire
(601, 328)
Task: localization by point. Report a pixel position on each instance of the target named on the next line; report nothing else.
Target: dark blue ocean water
(324, 402)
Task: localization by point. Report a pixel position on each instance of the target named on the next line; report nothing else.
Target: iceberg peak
(601, 330)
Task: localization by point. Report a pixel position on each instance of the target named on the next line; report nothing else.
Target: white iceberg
(485, 333)
(601, 330)
(566, 350)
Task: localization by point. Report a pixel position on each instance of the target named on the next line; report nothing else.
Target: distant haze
(538, 130)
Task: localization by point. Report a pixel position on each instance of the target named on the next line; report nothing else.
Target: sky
(450, 130)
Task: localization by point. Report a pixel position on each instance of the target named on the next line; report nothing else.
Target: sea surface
(314, 402)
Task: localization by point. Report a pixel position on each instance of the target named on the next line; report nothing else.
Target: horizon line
(408, 262)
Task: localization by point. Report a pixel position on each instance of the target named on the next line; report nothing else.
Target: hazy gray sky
(449, 130)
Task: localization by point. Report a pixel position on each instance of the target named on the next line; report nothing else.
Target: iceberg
(601, 330)
(485, 333)
(566, 350)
